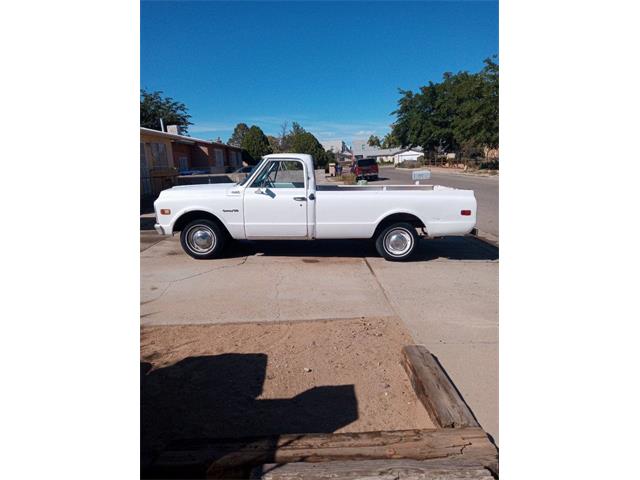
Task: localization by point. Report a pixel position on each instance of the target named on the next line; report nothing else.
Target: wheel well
(397, 218)
(188, 217)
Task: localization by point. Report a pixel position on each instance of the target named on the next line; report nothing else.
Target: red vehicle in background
(366, 168)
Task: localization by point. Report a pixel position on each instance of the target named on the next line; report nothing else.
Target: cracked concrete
(448, 297)
(177, 289)
(452, 308)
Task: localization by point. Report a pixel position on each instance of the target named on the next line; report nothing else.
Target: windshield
(257, 167)
(366, 162)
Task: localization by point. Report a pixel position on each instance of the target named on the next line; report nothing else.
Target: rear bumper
(457, 228)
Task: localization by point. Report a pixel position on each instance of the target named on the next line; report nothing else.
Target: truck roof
(301, 156)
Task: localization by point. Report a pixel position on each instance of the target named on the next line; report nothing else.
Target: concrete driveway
(447, 296)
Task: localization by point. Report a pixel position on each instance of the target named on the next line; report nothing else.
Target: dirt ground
(272, 378)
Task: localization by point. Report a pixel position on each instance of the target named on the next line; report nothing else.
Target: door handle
(299, 199)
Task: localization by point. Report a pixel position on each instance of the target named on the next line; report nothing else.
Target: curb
(467, 174)
(485, 238)
(411, 169)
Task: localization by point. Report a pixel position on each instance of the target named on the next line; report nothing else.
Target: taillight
(465, 213)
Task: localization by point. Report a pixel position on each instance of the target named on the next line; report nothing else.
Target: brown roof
(183, 138)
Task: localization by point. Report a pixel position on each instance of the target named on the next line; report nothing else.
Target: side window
(159, 155)
(263, 178)
(290, 175)
(219, 158)
(281, 174)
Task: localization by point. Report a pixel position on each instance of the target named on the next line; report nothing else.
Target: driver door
(275, 204)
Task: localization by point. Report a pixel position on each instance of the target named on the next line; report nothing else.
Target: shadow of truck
(216, 397)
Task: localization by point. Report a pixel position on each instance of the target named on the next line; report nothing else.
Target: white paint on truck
(281, 200)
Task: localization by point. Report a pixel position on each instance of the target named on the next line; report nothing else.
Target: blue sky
(334, 67)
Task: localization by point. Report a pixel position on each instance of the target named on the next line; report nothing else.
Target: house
(410, 154)
(361, 149)
(163, 155)
(339, 148)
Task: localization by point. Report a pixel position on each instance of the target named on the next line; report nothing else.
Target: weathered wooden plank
(435, 390)
(370, 469)
(218, 456)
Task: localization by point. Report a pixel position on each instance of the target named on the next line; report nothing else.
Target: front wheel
(202, 239)
(397, 242)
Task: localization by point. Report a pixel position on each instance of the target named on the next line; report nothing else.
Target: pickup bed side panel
(356, 214)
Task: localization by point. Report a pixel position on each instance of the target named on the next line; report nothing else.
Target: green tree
(296, 129)
(298, 140)
(488, 109)
(460, 111)
(301, 141)
(255, 144)
(274, 143)
(374, 141)
(154, 107)
(283, 138)
(389, 141)
(238, 134)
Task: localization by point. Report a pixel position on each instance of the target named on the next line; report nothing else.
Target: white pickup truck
(281, 200)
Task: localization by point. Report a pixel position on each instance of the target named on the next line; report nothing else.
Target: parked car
(241, 173)
(194, 172)
(247, 169)
(366, 168)
(281, 200)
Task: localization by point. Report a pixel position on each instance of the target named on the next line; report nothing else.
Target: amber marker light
(165, 211)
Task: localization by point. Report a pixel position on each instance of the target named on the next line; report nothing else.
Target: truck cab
(279, 198)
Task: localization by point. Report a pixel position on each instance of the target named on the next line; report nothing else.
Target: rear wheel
(202, 239)
(397, 242)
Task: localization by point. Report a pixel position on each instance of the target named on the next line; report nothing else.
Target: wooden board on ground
(463, 446)
(369, 469)
(261, 379)
(435, 390)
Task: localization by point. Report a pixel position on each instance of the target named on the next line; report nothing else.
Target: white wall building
(361, 149)
(404, 155)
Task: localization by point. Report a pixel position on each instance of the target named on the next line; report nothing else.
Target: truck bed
(339, 214)
(368, 188)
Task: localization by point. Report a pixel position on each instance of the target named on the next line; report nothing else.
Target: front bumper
(159, 229)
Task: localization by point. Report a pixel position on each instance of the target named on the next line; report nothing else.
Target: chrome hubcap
(201, 239)
(398, 242)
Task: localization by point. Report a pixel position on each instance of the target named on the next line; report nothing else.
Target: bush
(490, 165)
(409, 164)
(348, 178)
